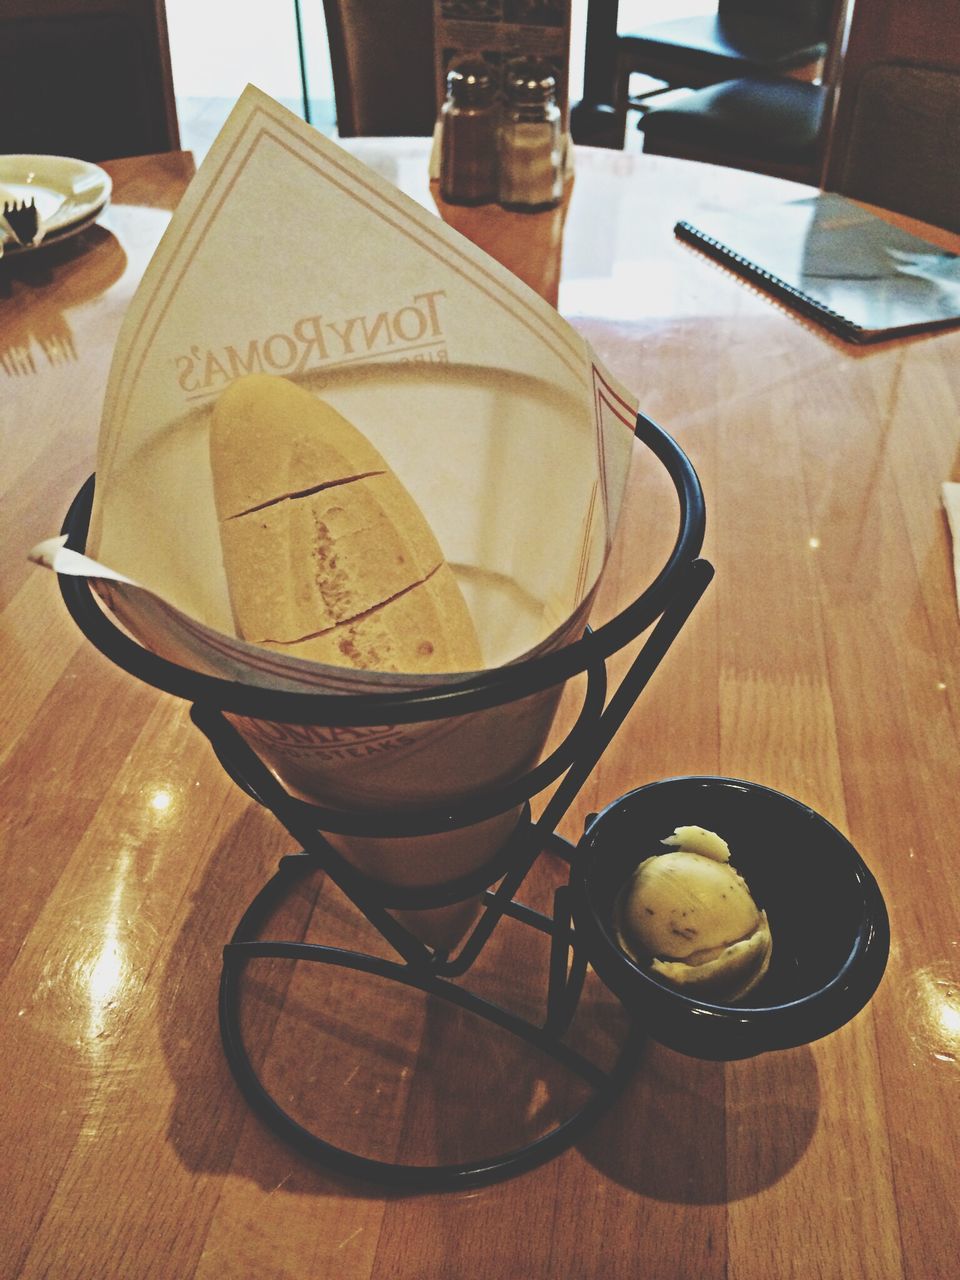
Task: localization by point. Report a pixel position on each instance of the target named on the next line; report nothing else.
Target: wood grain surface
(823, 661)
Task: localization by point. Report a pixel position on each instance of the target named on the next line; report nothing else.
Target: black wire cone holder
(663, 608)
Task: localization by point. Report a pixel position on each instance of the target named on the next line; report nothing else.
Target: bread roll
(327, 556)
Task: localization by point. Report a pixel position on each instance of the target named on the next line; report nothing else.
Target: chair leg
(600, 51)
(621, 99)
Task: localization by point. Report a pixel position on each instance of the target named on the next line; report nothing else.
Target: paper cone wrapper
(288, 256)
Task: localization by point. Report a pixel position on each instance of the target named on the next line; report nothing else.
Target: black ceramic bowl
(827, 916)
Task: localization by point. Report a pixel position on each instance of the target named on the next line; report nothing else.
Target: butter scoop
(690, 916)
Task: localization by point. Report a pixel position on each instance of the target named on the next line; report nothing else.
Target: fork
(23, 220)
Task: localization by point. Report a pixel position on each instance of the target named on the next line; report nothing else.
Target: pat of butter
(690, 916)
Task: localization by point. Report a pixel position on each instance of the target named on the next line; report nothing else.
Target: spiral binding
(804, 303)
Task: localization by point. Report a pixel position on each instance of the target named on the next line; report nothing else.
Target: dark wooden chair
(742, 38)
(765, 123)
(382, 59)
(903, 148)
(90, 80)
(895, 139)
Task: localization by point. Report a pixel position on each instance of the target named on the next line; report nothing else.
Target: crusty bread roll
(327, 556)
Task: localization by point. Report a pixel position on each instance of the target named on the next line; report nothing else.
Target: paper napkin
(950, 492)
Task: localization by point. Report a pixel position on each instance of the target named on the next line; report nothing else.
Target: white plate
(68, 193)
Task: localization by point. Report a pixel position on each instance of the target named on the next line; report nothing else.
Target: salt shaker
(531, 142)
(468, 134)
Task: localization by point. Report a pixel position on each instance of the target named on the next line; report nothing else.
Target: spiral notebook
(837, 263)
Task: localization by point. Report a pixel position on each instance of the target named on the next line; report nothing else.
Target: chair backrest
(86, 78)
(382, 59)
(903, 149)
(895, 139)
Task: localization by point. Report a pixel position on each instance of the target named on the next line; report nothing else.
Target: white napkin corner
(950, 493)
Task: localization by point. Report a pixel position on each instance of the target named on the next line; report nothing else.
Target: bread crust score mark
(304, 493)
(327, 556)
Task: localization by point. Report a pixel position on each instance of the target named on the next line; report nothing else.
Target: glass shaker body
(531, 139)
(468, 135)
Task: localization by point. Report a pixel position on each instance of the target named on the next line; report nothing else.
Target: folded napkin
(950, 492)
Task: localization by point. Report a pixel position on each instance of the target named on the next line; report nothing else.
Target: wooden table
(824, 661)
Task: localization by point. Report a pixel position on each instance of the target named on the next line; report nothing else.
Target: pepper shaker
(468, 134)
(531, 143)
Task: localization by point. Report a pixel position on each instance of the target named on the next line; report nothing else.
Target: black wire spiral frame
(664, 608)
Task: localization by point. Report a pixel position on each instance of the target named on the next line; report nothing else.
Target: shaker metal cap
(470, 80)
(530, 80)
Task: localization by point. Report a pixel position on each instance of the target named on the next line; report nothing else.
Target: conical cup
(419, 861)
(384, 769)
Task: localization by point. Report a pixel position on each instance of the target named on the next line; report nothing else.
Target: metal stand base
(567, 973)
